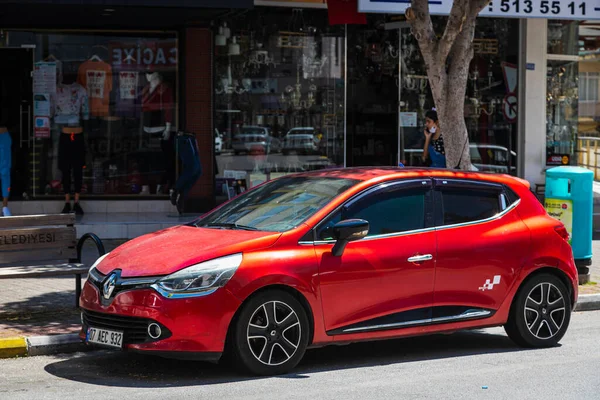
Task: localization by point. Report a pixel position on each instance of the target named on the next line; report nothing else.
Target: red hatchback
(338, 256)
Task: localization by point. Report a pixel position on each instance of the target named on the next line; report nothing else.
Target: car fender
(528, 270)
(296, 273)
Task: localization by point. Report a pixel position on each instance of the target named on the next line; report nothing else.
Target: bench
(35, 246)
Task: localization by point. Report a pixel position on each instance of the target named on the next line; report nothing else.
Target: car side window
(462, 206)
(387, 211)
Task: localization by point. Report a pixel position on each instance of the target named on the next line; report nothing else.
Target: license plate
(105, 337)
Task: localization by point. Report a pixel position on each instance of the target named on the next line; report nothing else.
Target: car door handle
(424, 257)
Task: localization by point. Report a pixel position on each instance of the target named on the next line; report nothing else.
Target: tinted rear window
(469, 206)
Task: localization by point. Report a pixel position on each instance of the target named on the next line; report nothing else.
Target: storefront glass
(589, 79)
(104, 102)
(573, 105)
(562, 98)
(278, 95)
(281, 102)
(385, 53)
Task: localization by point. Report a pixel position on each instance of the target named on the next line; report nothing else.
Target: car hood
(169, 250)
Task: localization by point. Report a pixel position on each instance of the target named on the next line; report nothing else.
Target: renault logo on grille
(109, 286)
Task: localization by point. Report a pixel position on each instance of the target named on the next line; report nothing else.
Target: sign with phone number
(552, 9)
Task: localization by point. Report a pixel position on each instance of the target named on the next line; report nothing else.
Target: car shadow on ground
(121, 369)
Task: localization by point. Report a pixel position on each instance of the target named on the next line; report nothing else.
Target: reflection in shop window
(121, 93)
(279, 95)
(573, 107)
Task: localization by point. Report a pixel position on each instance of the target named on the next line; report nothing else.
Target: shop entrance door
(16, 101)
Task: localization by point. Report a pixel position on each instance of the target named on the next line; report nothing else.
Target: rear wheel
(271, 334)
(541, 312)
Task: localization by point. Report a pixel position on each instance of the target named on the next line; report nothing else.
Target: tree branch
(420, 19)
(454, 26)
(422, 29)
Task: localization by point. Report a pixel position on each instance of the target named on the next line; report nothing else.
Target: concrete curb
(13, 347)
(41, 345)
(588, 302)
(70, 343)
(46, 345)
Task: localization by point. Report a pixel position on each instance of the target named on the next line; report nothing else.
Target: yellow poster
(562, 210)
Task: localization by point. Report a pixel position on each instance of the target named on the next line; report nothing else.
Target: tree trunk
(447, 62)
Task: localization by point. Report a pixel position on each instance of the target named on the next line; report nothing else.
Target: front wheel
(541, 312)
(271, 334)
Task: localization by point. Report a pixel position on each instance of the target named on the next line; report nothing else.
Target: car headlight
(199, 279)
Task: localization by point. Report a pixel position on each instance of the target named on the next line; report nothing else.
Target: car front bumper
(194, 327)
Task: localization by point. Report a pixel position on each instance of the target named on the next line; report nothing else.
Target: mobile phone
(432, 130)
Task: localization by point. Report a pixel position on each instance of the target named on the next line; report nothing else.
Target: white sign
(128, 85)
(95, 83)
(41, 104)
(44, 77)
(552, 9)
(408, 119)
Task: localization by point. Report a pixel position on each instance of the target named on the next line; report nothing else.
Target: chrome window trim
(481, 221)
(369, 238)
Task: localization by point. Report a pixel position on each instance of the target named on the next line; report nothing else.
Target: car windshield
(278, 205)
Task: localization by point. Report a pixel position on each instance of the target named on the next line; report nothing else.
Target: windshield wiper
(231, 226)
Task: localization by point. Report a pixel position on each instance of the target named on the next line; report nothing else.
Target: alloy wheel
(274, 333)
(545, 310)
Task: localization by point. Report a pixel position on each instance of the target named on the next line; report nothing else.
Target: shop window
(278, 95)
(120, 92)
(588, 86)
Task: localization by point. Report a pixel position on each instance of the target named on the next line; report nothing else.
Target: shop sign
(44, 77)
(551, 9)
(562, 210)
(41, 127)
(558, 159)
(144, 54)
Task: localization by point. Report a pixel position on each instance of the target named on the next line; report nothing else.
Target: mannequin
(70, 109)
(157, 118)
(156, 103)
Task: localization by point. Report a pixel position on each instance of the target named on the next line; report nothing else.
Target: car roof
(377, 174)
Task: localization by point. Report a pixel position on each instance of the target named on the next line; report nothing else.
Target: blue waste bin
(570, 199)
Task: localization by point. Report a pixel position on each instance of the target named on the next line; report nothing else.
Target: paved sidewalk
(45, 306)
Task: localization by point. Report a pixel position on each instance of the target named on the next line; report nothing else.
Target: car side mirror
(348, 231)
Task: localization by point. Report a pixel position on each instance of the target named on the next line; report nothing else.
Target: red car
(338, 256)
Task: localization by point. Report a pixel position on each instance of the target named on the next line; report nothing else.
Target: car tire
(540, 313)
(270, 335)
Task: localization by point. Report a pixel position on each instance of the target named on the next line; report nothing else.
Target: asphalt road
(480, 364)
